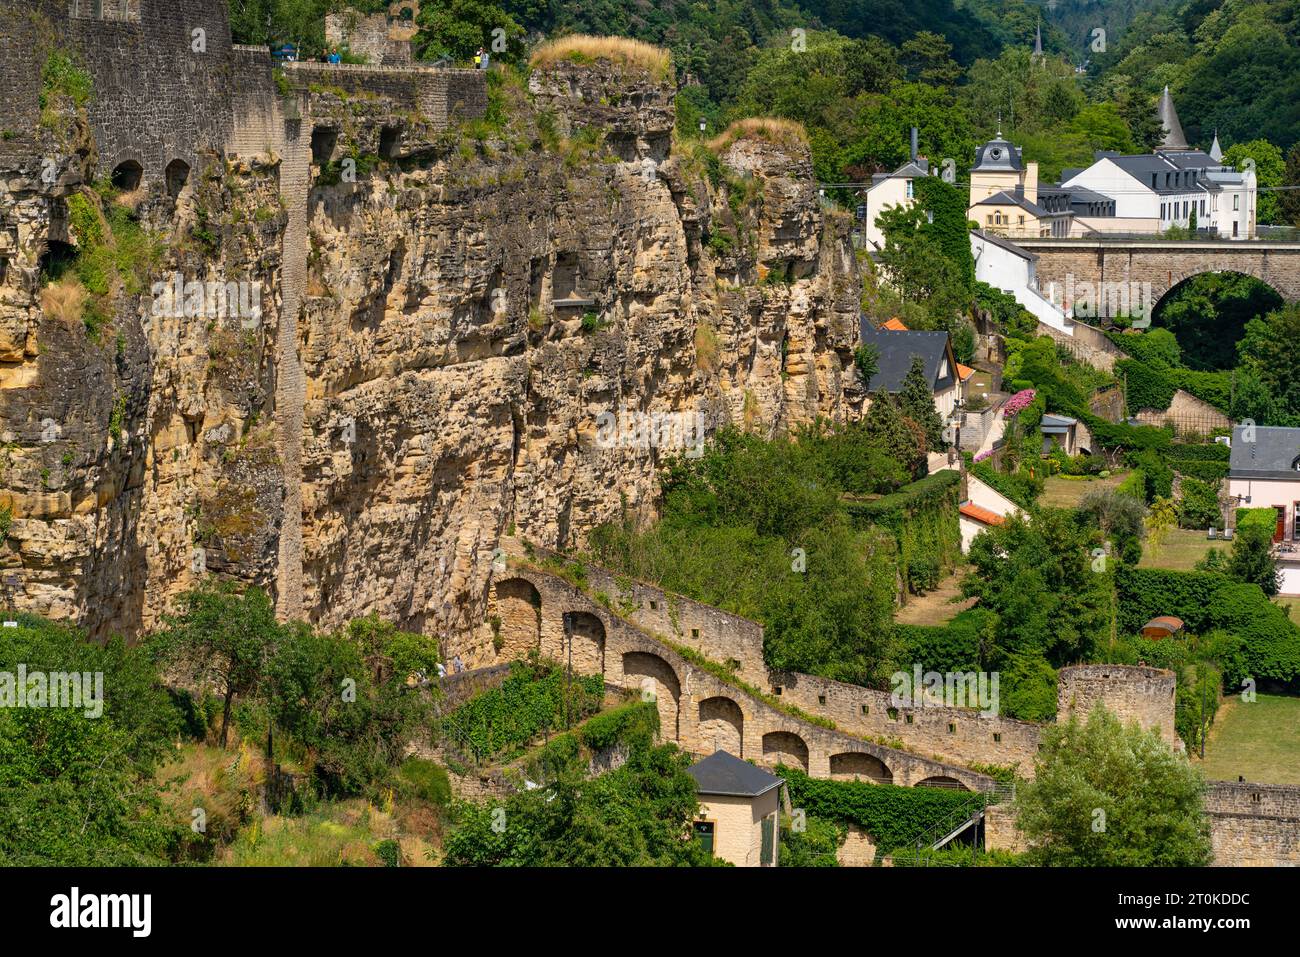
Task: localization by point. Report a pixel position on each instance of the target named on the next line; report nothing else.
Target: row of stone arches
(719, 720)
(129, 174)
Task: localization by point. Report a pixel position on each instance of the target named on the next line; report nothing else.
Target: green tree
(1105, 795)
(916, 399)
(77, 789)
(639, 815)
(1265, 352)
(866, 359)
(223, 636)
(1038, 579)
(1252, 559)
(457, 28)
(1289, 200)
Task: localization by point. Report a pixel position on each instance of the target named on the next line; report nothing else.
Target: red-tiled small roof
(981, 514)
(894, 325)
(964, 372)
(1166, 622)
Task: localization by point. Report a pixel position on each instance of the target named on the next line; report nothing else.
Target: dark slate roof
(725, 774)
(1141, 168)
(896, 349)
(1006, 198)
(1273, 455)
(1006, 244)
(998, 154)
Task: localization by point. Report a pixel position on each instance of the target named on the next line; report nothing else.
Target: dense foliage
(894, 816)
(1105, 795)
(534, 698)
(761, 529)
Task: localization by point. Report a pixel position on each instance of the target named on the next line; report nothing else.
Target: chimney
(1031, 181)
(914, 144)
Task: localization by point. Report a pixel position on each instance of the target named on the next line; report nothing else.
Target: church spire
(1173, 138)
(1216, 152)
(1038, 40)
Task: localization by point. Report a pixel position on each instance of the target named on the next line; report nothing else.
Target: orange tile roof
(981, 514)
(895, 325)
(964, 372)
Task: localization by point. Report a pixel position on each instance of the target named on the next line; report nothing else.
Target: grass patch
(769, 129)
(582, 48)
(1061, 491)
(1257, 740)
(1182, 549)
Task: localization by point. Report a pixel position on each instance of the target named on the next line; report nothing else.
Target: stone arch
(517, 625)
(857, 766)
(785, 747)
(722, 726)
(586, 639)
(1162, 291)
(127, 175)
(942, 781)
(652, 675)
(177, 174)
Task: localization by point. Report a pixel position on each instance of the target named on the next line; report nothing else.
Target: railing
(950, 826)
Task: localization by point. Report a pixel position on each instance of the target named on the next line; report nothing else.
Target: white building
(889, 190)
(1265, 473)
(1156, 191)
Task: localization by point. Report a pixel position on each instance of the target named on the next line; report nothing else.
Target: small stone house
(740, 807)
(896, 346)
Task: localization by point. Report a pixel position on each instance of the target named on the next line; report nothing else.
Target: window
(821, 699)
(952, 727)
(704, 834)
(1202, 207)
(1236, 202)
(1162, 211)
(695, 632)
(866, 710)
(654, 605)
(910, 193)
(1234, 229)
(997, 737)
(908, 719)
(893, 714)
(1022, 220)
(990, 219)
(767, 856)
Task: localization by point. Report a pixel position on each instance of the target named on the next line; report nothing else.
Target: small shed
(1059, 431)
(740, 808)
(1162, 626)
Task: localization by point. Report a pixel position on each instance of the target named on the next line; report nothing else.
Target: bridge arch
(127, 175)
(517, 625)
(656, 677)
(785, 747)
(587, 642)
(857, 766)
(941, 781)
(721, 726)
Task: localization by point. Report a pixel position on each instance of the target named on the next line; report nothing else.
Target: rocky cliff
(445, 314)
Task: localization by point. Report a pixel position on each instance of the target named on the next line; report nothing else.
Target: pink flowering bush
(983, 455)
(1017, 403)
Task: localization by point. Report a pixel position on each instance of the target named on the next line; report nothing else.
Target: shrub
(1199, 505)
(423, 780)
(580, 48)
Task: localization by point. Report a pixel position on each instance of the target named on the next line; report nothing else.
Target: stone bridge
(1066, 264)
(698, 710)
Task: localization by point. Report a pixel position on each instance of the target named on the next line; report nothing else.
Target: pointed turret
(1038, 40)
(1216, 152)
(1174, 138)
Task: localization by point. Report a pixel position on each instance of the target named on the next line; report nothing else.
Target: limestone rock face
(498, 335)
